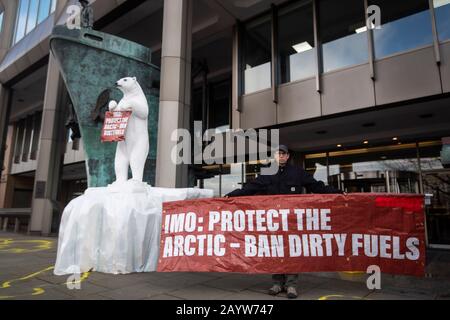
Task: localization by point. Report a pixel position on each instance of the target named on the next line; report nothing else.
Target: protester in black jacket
(288, 180)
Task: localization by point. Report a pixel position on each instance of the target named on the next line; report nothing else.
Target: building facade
(364, 109)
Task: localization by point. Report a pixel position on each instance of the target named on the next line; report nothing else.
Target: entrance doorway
(437, 186)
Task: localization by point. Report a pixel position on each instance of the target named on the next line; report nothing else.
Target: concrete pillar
(9, 19)
(6, 180)
(175, 96)
(50, 154)
(4, 119)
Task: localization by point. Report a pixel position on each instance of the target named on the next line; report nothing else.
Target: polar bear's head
(127, 85)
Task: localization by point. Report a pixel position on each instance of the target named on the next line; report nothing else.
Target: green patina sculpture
(90, 63)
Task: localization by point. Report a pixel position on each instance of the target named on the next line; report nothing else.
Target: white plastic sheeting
(115, 232)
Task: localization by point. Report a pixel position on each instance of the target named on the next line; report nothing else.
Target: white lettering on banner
(412, 245)
(191, 245)
(278, 242)
(269, 220)
(181, 222)
(312, 244)
(384, 246)
(264, 246)
(313, 219)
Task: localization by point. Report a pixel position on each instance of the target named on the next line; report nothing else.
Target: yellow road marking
(340, 296)
(7, 284)
(6, 245)
(39, 290)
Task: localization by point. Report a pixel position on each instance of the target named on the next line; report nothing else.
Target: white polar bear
(134, 150)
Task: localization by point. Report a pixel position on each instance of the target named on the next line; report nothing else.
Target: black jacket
(288, 180)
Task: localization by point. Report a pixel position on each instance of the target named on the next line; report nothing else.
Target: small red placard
(115, 126)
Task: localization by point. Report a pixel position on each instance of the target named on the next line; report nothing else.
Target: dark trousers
(288, 280)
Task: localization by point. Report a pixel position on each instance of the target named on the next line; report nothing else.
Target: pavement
(26, 273)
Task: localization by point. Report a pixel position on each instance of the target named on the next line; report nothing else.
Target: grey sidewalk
(26, 273)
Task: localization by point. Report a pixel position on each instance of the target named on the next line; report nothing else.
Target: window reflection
(30, 13)
(391, 169)
(442, 12)
(21, 20)
(257, 55)
(1, 21)
(44, 8)
(296, 43)
(405, 25)
(344, 42)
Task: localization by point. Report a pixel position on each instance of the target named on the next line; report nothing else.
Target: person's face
(281, 157)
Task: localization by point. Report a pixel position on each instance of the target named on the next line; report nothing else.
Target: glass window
(442, 11)
(344, 40)
(257, 55)
(391, 169)
(27, 140)
(317, 166)
(21, 20)
(18, 147)
(405, 25)
(222, 179)
(37, 118)
(436, 185)
(1, 21)
(219, 106)
(31, 13)
(53, 6)
(44, 9)
(296, 43)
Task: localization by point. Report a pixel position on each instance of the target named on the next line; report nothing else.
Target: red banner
(115, 126)
(294, 234)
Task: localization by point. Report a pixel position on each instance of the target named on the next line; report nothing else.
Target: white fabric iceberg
(115, 232)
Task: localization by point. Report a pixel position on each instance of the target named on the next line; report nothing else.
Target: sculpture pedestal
(115, 232)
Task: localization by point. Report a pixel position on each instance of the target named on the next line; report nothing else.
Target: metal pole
(437, 52)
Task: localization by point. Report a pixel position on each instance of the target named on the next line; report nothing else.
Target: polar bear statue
(134, 150)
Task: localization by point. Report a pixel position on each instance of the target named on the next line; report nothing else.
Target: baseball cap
(283, 148)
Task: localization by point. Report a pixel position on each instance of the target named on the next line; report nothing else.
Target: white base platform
(112, 231)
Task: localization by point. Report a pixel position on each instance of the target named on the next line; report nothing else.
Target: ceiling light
(395, 139)
(364, 29)
(302, 47)
(339, 145)
(366, 142)
(361, 30)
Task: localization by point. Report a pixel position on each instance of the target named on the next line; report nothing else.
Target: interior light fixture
(302, 47)
(364, 29)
